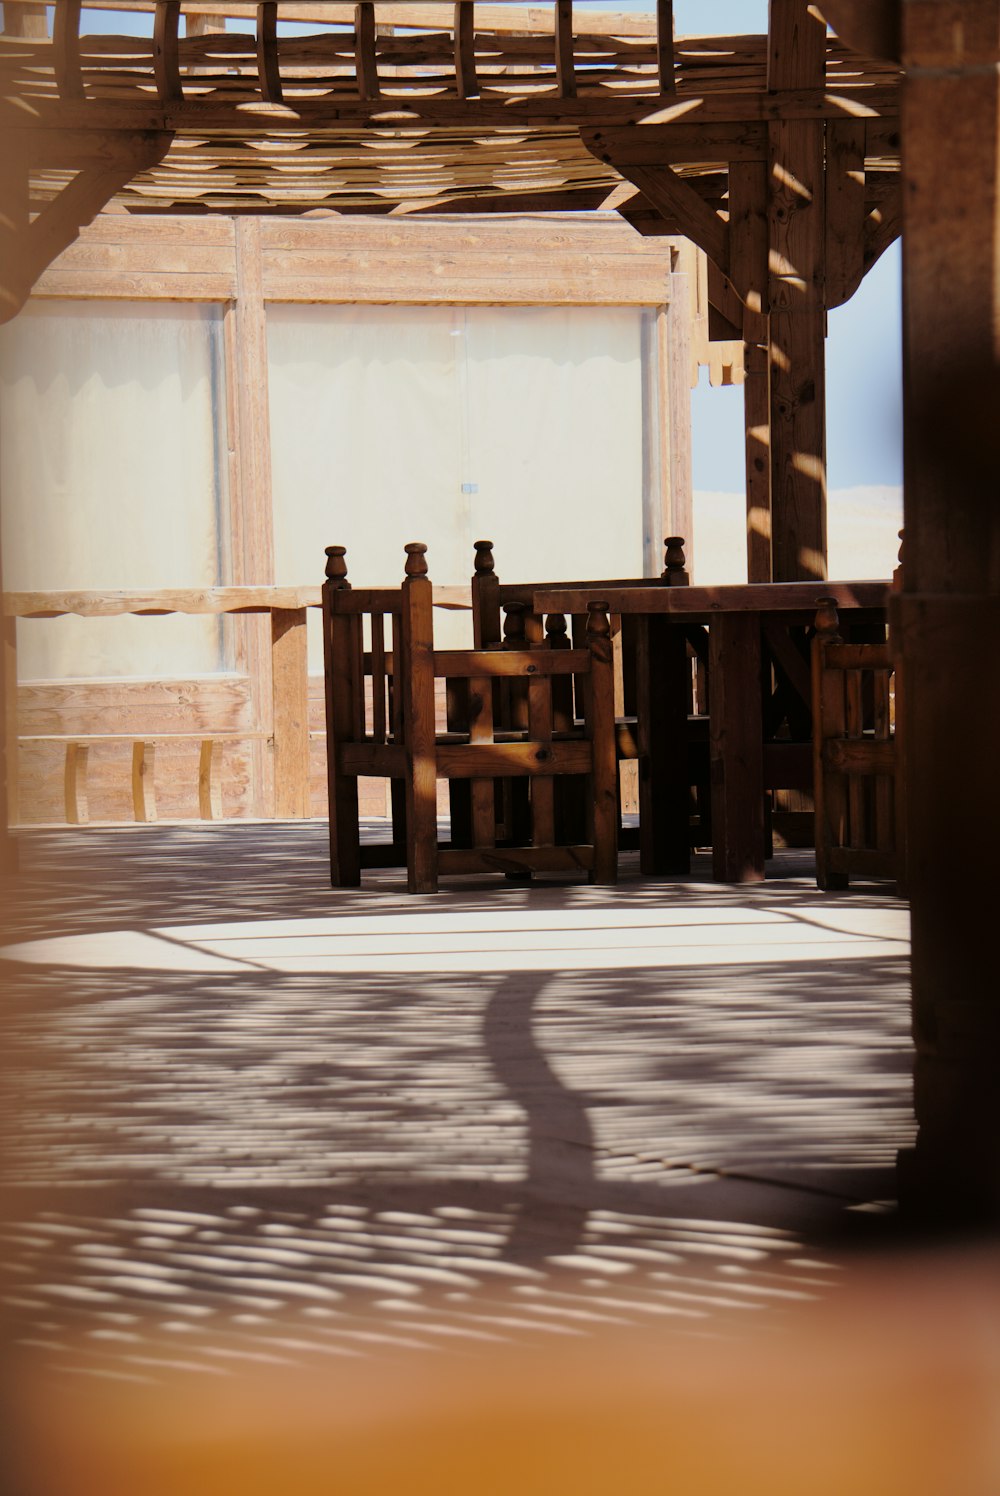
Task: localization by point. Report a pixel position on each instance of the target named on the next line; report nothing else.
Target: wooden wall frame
(245, 263)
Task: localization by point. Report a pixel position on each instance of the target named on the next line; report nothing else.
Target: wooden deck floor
(491, 1113)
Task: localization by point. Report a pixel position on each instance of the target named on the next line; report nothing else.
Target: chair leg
(345, 833)
(421, 830)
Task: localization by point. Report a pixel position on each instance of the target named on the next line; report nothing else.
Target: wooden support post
(250, 489)
(796, 242)
(757, 418)
(290, 713)
(946, 620)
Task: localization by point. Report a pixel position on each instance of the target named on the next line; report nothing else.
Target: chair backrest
(502, 610)
(857, 757)
(383, 719)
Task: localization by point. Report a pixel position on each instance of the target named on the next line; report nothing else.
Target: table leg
(736, 748)
(662, 675)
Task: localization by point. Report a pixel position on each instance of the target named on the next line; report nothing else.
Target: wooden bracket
(872, 27)
(674, 199)
(103, 165)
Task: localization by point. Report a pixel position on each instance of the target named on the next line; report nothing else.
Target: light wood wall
(551, 260)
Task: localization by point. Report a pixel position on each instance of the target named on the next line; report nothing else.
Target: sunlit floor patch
(531, 940)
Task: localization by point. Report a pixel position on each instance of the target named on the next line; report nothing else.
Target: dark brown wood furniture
(758, 684)
(505, 610)
(858, 763)
(383, 719)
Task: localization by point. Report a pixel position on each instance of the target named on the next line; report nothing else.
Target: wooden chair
(382, 720)
(503, 610)
(857, 758)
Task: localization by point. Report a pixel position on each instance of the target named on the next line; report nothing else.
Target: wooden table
(748, 629)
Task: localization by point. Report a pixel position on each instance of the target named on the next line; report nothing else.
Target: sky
(864, 345)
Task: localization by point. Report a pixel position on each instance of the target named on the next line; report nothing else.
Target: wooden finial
(675, 565)
(555, 631)
(336, 566)
(598, 622)
(416, 562)
(484, 557)
(897, 575)
(513, 625)
(827, 622)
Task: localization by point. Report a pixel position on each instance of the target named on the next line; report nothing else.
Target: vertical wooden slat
(565, 68)
(417, 670)
(828, 715)
(290, 712)
(662, 675)
(66, 50)
(542, 791)
(601, 732)
(143, 785)
(482, 791)
(736, 747)
(883, 830)
(339, 664)
(268, 62)
(210, 779)
(166, 52)
(466, 82)
(665, 45)
(853, 724)
(75, 784)
(378, 677)
(365, 55)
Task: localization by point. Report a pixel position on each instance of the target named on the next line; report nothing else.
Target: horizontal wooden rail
(288, 735)
(193, 600)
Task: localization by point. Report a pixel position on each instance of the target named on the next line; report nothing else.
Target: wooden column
(250, 489)
(796, 243)
(947, 620)
(290, 712)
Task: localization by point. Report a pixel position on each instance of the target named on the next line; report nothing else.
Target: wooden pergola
(792, 159)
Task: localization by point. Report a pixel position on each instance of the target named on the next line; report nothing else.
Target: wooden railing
(287, 732)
